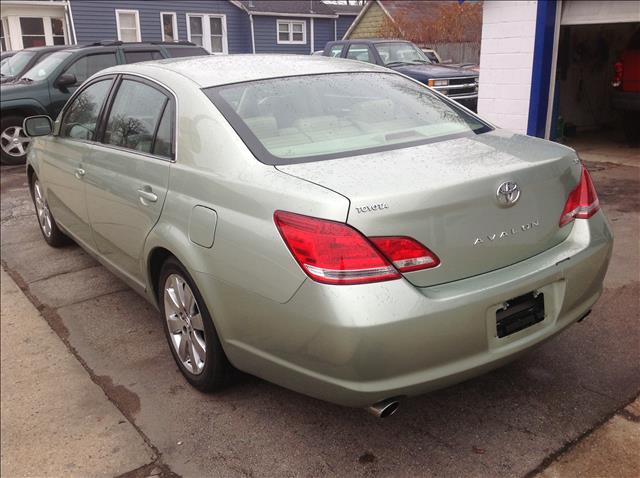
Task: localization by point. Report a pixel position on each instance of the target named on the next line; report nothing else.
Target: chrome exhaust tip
(384, 408)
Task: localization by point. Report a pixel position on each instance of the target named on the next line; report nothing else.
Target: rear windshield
(315, 117)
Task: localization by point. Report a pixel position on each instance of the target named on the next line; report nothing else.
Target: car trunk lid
(444, 194)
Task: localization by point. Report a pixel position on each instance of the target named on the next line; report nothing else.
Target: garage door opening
(590, 113)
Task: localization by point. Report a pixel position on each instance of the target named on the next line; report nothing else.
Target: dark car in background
(14, 66)
(46, 87)
(459, 84)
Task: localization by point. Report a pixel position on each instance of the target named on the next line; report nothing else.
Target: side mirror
(37, 125)
(66, 79)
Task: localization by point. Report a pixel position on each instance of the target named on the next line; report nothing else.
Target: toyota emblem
(508, 194)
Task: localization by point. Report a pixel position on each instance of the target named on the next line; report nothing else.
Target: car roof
(216, 70)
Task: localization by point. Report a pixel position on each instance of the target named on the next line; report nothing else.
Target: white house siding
(506, 61)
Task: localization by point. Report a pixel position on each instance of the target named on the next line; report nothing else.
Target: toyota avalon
(333, 227)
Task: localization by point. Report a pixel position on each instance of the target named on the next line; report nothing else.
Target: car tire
(48, 226)
(190, 331)
(13, 141)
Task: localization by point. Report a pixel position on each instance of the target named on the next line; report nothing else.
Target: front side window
(44, 68)
(32, 32)
(401, 53)
(57, 31)
(314, 117)
(169, 26)
(86, 66)
(135, 116)
(336, 51)
(81, 118)
(360, 52)
(292, 32)
(128, 23)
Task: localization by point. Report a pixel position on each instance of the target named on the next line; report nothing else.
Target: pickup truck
(458, 84)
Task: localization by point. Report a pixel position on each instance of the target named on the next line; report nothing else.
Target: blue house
(220, 26)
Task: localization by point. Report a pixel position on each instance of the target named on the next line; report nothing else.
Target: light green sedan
(331, 226)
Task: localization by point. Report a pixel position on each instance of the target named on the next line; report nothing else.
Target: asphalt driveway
(510, 422)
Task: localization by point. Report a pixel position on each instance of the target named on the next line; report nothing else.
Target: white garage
(546, 67)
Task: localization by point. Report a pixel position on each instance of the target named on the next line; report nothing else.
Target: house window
(32, 32)
(208, 31)
(292, 32)
(3, 43)
(57, 31)
(128, 23)
(169, 26)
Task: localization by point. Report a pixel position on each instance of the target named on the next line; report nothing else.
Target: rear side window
(135, 116)
(359, 52)
(177, 52)
(81, 117)
(86, 66)
(162, 144)
(336, 50)
(136, 56)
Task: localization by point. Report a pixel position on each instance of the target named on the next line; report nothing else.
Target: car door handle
(146, 195)
(79, 173)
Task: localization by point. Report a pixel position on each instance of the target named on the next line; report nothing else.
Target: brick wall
(506, 59)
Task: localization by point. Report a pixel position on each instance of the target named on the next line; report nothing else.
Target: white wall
(506, 61)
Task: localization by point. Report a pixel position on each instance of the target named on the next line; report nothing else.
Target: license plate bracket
(519, 313)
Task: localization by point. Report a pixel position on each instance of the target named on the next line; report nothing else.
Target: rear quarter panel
(214, 169)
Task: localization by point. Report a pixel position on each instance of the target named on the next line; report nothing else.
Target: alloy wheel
(14, 141)
(42, 209)
(184, 322)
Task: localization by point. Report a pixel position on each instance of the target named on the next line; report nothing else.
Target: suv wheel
(13, 141)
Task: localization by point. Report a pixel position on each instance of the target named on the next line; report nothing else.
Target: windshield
(309, 118)
(43, 69)
(13, 65)
(400, 53)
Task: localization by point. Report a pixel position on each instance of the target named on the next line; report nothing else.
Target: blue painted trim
(541, 73)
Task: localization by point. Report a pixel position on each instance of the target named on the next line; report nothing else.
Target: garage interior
(584, 116)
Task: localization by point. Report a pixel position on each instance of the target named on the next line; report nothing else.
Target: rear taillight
(332, 252)
(405, 253)
(582, 202)
(335, 253)
(618, 70)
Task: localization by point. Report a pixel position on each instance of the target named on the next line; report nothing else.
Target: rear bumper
(356, 345)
